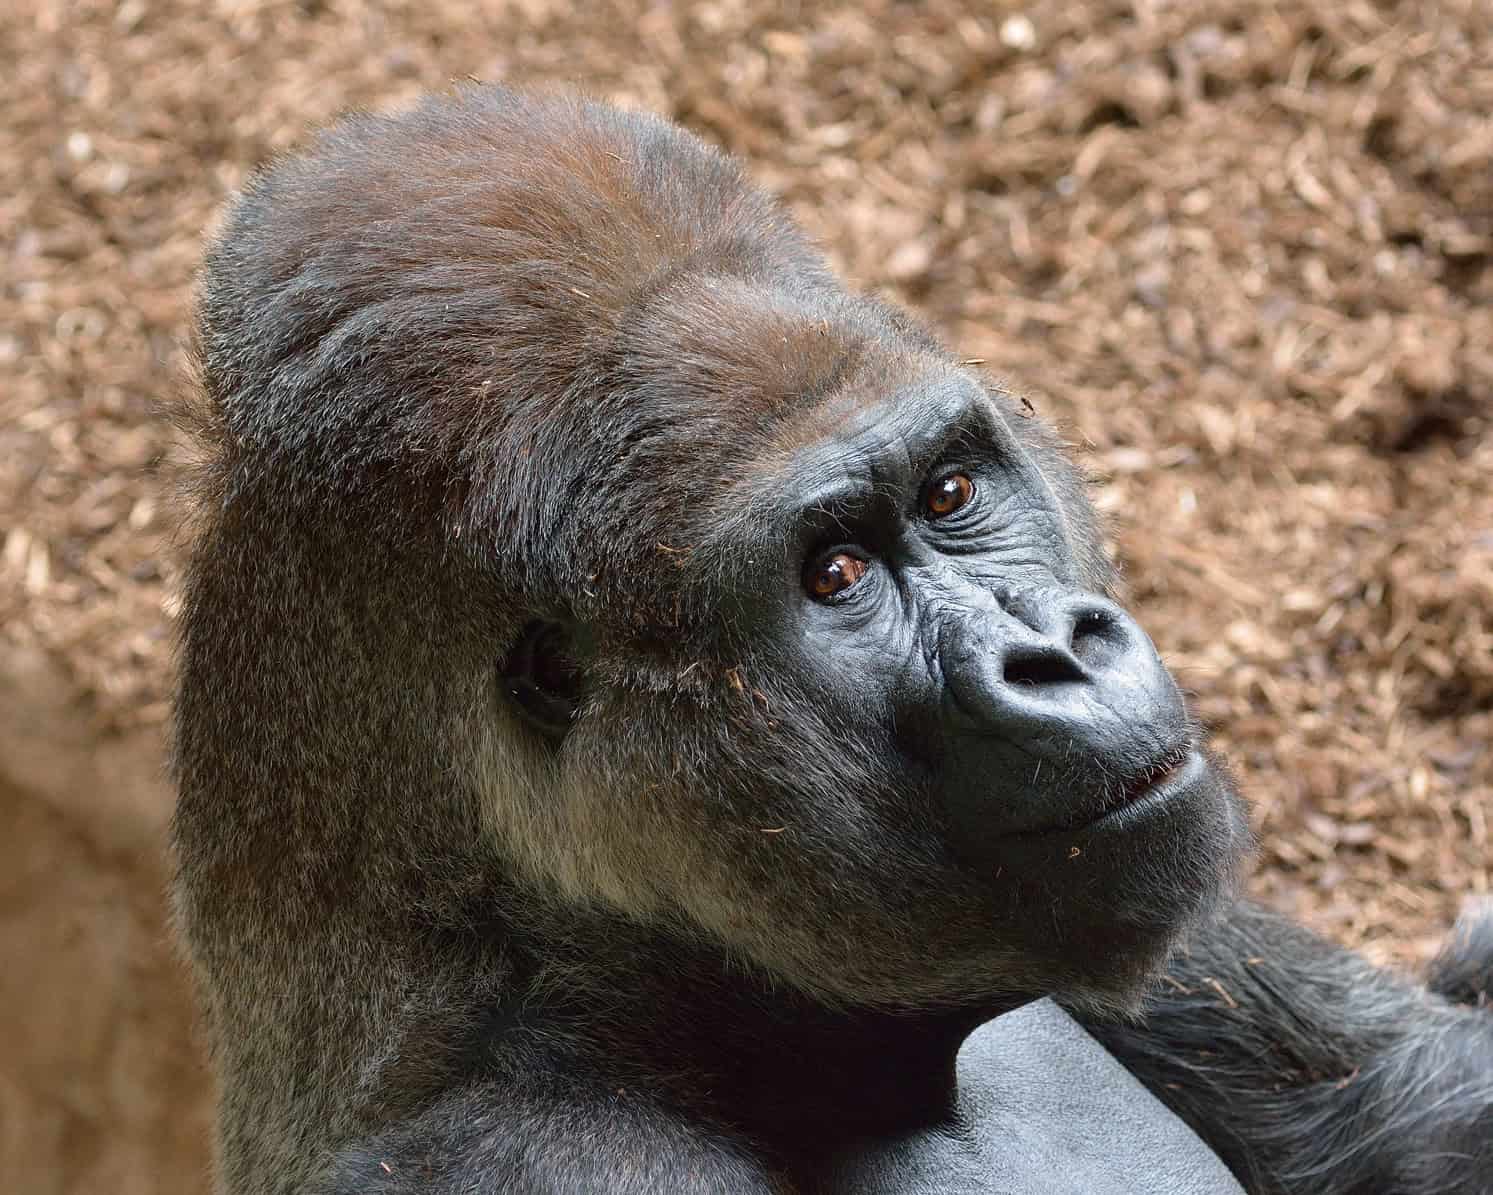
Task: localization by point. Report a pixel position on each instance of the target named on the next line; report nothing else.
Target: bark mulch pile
(1239, 249)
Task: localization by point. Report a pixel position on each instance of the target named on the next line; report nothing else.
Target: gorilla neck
(684, 1022)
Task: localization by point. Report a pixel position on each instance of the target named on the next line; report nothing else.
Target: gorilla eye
(946, 496)
(833, 575)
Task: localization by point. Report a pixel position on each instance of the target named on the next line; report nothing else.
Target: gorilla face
(938, 586)
(913, 753)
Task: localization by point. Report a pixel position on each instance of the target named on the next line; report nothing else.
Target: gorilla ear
(542, 678)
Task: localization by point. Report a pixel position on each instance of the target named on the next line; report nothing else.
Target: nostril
(1095, 634)
(1092, 622)
(1041, 668)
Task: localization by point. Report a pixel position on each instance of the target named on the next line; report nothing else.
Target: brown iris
(946, 496)
(832, 574)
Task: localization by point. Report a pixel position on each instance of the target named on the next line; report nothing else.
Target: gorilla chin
(1124, 889)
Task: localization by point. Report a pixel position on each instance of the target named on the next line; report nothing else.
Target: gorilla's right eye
(833, 574)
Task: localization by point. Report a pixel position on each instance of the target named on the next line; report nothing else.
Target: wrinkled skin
(642, 707)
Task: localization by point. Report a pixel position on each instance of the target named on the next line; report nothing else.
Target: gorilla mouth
(1149, 786)
(1151, 777)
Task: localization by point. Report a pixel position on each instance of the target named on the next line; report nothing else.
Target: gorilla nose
(1062, 675)
(1060, 639)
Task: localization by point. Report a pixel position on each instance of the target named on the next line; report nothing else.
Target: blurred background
(1238, 249)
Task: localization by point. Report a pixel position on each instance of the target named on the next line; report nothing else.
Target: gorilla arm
(1303, 1067)
(1042, 1107)
(1308, 1069)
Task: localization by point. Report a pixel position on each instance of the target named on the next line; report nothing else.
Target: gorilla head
(574, 541)
(832, 673)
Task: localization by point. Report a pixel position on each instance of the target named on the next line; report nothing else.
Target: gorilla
(653, 720)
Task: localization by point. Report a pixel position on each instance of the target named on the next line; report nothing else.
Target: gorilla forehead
(723, 399)
(856, 450)
(726, 464)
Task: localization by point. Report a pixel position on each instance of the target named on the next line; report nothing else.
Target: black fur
(1463, 971)
(1309, 1070)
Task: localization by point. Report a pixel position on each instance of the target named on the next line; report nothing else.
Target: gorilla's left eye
(833, 574)
(947, 495)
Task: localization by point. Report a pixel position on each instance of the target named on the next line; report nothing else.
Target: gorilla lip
(1151, 787)
(1152, 777)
